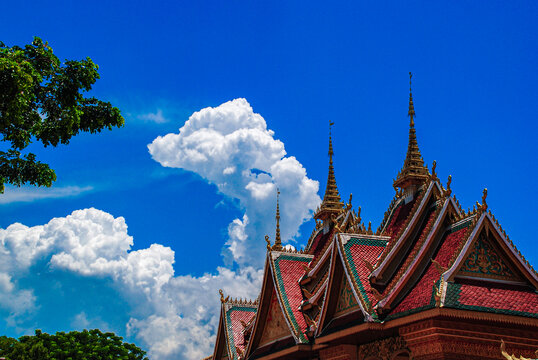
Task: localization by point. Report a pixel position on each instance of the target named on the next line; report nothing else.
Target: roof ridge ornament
(414, 172)
(331, 204)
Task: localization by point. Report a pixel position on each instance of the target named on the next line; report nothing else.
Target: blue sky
(298, 66)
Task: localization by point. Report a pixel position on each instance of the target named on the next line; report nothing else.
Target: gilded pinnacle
(331, 203)
(413, 172)
(411, 111)
(278, 242)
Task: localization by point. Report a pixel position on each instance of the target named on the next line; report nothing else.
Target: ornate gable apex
(499, 244)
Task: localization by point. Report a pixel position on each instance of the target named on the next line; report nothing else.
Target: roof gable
(357, 253)
(281, 278)
(287, 269)
(340, 299)
(488, 233)
(346, 299)
(486, 261)
(275, 326)
(236, 316)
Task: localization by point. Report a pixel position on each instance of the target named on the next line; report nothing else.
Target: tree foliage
(75, 345)
(41, 99)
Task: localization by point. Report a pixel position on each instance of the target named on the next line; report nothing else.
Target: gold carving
(513, 357)
(383, 349)
(275, 324)
(346, 299)
(485, 261)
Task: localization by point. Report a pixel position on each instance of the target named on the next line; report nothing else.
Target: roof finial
(331, 153)
(413, 172)
(331, 203)
(269, 247)
(278, 242)
(411, 111)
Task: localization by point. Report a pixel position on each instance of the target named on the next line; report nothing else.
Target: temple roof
(235, 315)
(427, 253)
(287, 269)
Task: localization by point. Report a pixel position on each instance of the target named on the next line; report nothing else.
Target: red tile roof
(398, 218)
(233, 316)
(421, 295)
(355, 249)
(432, 216)
(288, 268)
(496, 299)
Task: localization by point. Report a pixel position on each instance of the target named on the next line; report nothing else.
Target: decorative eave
(438, 312)
(312, 299)
(387, 216)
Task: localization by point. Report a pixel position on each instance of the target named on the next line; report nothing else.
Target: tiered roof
(427, 254)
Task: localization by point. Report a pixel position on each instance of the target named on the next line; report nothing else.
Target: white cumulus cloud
(174, 317)
(230, 146)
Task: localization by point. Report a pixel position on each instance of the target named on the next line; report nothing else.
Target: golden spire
(413, 172)
(331, 203)
(278, 242)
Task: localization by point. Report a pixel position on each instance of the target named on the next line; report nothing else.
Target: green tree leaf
(41, 99)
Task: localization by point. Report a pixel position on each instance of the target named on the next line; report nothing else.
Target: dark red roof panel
(234, 328)
(288, 269)
(422, 293)
(356, 250)
(492, 298)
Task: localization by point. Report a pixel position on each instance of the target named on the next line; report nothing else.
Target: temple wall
(455, 340)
